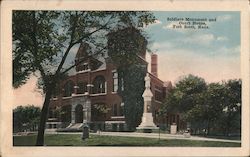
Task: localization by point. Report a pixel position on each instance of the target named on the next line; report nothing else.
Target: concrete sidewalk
(150, 135)
(162, 136)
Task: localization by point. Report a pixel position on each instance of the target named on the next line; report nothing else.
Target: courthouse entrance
(79, 113)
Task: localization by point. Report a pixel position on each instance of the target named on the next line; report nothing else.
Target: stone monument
(147, 124)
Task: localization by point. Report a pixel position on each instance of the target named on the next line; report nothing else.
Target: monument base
(147, 124)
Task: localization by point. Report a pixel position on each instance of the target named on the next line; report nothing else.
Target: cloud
(201, 39)
(171, 25)
(183, 62)
(224, 18)
(222, 38)
(214, 65)
(228, 51)
(157, 22)
(158, 46)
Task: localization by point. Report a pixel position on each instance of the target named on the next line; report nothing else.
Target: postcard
(125, 78)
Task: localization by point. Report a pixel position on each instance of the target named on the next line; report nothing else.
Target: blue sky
(212, 53)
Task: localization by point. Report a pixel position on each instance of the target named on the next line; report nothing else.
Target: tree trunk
(228, 128)
(208, 127)
(43, 117)
(228, 124)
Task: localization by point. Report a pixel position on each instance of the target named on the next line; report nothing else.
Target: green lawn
(96, 140)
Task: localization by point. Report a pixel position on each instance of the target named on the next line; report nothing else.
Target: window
(85, 66)
(122, 109)
(122, 84)
(99, 85)
(114, 110)
(118, 110)
(68, 88)
(115, 81)
(82, 88)
(158, 94)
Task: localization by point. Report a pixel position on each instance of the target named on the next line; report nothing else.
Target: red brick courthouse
(89, 94)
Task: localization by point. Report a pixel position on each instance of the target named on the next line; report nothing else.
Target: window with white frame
(115, 110)
(115, 81)
(121, 109)
(99, 85)
(118, 109)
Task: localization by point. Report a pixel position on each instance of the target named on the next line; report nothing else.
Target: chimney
(154, 65)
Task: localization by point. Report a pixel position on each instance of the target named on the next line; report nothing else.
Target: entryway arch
(79, 113)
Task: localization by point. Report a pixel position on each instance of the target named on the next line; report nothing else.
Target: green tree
(42, 41)
(206, 106)
(25, 117)
(185, 99)
(185, 95)
(131, 45)
(133, 88)
(212, 105)
(231, 117)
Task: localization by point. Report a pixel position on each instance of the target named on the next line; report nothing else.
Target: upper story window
(68, 88)
(115, 81)
(82, 88)
(99, 85)
(158, 94)
(122, 84)
(85, 66)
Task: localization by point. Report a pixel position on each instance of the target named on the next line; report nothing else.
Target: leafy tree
(25, 115)
(185, 96)
(231, 117)
(131, 45)
(186, 99)
(99, 112)
(42, 41)
(214, 105)
(133, 88)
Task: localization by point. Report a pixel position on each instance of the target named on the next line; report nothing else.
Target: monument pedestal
(147, 123)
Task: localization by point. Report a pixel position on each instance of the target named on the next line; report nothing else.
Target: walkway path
(162, 136)
(149, 135)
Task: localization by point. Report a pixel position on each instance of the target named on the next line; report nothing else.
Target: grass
(96, 140)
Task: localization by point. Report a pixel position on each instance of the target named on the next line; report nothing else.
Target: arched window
(82, 88)
(99, 85)
(68, 88)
